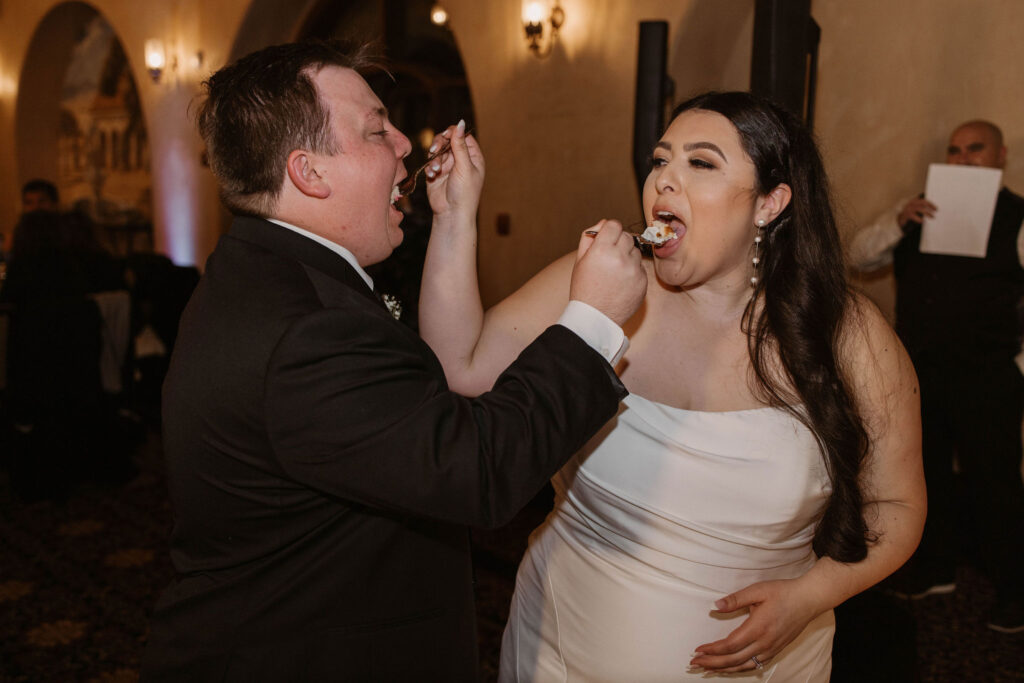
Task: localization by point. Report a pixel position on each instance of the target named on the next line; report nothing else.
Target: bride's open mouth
(664, 228)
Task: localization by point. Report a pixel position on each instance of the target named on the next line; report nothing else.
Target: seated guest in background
(56, 254)
(320, 471)
(42, 263)
(39, 195)
(103, 271)
(54, 393)
(766, 465)
(36, 195)
(958, 318)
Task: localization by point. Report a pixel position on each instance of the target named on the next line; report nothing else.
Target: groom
(320, 471)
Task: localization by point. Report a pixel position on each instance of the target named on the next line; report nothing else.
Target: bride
(765, 466)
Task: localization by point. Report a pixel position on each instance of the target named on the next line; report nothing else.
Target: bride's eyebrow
(690, 146)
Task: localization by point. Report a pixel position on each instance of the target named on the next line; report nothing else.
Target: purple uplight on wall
(179, 214)
(177, 175)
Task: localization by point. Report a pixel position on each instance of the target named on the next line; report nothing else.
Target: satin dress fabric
(663, 512)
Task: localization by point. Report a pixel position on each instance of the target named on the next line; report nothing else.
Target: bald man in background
(958, 318)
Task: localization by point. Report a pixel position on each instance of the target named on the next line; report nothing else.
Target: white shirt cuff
(596, 329)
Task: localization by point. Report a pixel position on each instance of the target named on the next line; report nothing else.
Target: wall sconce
(160, 60)
(534, 16)
(156, 58)
(438, 15)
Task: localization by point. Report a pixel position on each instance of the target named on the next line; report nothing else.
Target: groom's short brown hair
(261, 108)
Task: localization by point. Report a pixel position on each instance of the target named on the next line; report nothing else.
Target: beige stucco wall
(557, 132)
(894, 78)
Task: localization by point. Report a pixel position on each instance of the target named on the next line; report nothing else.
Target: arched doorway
(79, 125)
(425, 92)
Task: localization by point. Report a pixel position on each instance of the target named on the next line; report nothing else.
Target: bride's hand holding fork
(455, 177)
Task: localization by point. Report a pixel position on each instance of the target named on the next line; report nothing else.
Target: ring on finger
(757, 662)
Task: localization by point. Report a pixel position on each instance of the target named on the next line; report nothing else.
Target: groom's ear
(304, 176)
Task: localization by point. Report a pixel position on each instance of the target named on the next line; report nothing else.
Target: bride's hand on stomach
(779, 612)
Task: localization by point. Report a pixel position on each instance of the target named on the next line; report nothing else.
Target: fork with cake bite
(653, 235)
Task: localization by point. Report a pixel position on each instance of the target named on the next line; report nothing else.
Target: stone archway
(37, 113)
(79, 124)
(269, 22)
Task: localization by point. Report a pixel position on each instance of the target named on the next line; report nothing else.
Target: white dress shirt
(872, 247)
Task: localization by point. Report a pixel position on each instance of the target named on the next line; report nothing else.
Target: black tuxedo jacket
(322, 474)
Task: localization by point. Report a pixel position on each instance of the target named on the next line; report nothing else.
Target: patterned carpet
(79, 576)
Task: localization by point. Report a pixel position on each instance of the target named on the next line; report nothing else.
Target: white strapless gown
(662, 513)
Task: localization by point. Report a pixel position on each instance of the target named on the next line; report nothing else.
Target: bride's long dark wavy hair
(804, 300)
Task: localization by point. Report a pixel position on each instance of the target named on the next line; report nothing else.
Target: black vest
(958, 308)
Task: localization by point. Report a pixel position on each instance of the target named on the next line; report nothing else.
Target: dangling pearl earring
(757, 244)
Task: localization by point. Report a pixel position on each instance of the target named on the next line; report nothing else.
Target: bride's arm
(450, 312)
(892, 480)
(475, 347)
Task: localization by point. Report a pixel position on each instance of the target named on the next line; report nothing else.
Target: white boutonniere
(393, 304)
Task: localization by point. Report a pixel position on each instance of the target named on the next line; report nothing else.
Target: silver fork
(638, 239)
(408, 185)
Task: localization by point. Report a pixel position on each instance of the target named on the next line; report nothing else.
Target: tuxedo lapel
(288, 243)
